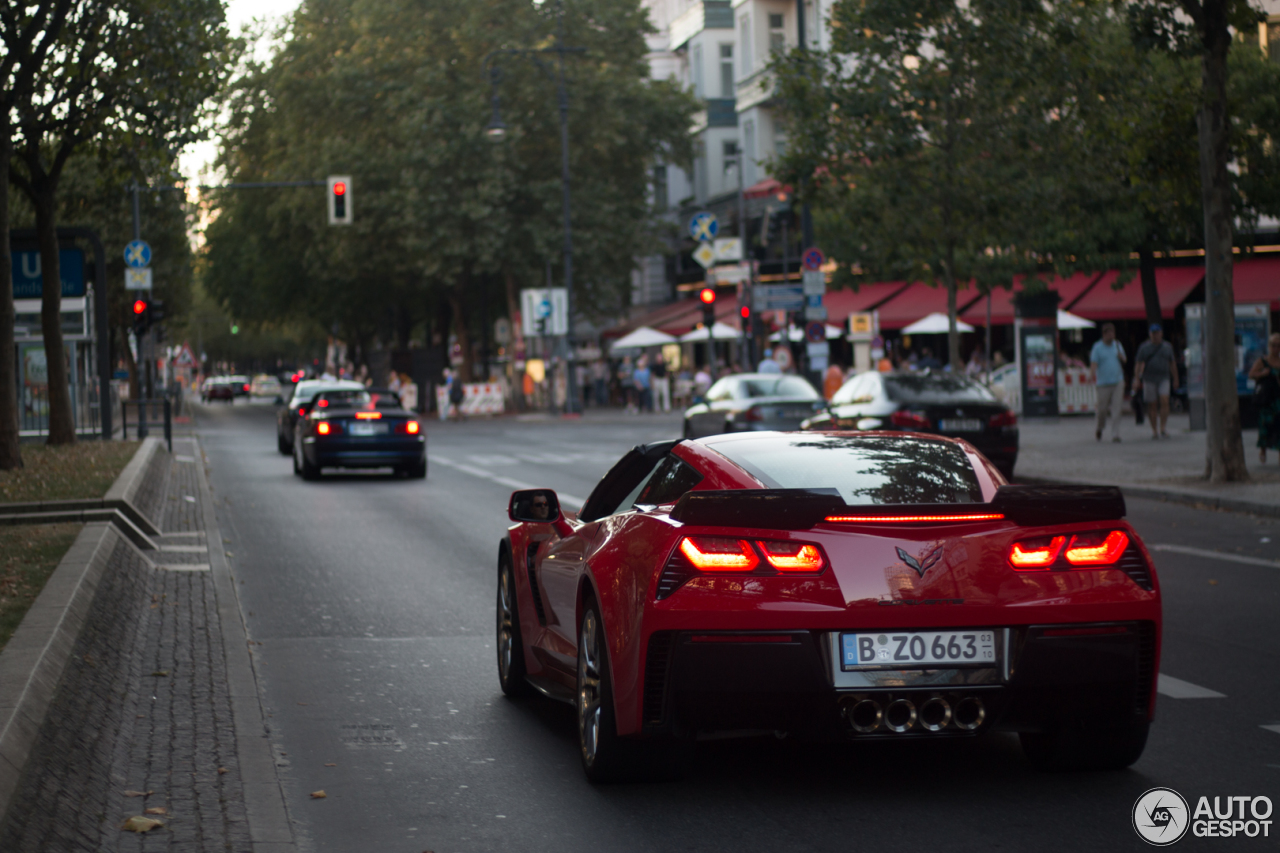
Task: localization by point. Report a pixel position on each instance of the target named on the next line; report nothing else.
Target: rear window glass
(936, 388)
(670, 480)
(864, 469)
(344, 399)
(786, 386)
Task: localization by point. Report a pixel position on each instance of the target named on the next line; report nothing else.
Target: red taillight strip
(912, 519)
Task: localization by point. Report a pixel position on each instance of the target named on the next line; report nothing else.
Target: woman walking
(1266, 376)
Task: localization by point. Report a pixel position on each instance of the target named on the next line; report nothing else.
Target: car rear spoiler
(801, 509)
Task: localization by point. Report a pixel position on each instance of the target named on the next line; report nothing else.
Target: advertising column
(1036, 337)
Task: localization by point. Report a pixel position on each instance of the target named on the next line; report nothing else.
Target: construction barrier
(1077, 394)
(480, 398)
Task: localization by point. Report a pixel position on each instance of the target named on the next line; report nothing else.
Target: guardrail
(145, 419)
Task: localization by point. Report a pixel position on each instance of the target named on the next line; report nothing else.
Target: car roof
(318, 385)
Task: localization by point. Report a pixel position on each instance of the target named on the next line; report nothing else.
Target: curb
(270, 829)
(33, 660)
(1177, 496)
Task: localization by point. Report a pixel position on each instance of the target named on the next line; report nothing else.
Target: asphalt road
(371, 603)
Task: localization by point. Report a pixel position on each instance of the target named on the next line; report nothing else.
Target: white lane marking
(566, 499)
(1217, 555)
(183, 567)
(1176, 688)
(1274, 727)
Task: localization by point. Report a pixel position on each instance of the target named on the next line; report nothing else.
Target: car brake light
(717, 554)
(1092, 549)
(793, 556)
(324, 404)
(246, 387)
(1004, 419)
(323, 428)
(910, 420)
(753, 414)
(914, 519)
(302, 411)
(368, 416)
(412, 427)
(1036, 553)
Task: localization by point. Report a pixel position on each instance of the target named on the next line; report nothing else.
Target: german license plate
(363, 428)
(960, 425)
(911, 649)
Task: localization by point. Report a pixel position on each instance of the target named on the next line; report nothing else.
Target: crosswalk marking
(1176, 688)
(571, 501)
(1217, 555)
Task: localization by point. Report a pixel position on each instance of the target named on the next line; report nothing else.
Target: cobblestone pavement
(143, 706)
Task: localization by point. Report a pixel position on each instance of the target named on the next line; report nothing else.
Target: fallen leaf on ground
(318, 795)
(138, 823)
(138, 793)
(331, 765)
(221, 770)
(161, 673)
(156, 810)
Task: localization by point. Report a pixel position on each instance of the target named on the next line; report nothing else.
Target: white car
(264, 386)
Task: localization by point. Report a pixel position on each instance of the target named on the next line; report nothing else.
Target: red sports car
(830, 585)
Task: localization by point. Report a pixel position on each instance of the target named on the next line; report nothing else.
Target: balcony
(707, 15)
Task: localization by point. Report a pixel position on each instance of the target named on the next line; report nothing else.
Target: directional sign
(137, 254)
(729, 274)
(815, 281)
(705, 255)
(28, 282)
(549, 303)
(728, 249)
(779, 297)
(137, 279)
(813, 258)
(703, 227)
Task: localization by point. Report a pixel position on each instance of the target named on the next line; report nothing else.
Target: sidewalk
(1064, 450)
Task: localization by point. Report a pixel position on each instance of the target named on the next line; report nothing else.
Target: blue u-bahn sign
(26, 273)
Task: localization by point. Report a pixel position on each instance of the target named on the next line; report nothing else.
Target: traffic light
(708, 297)
(340, 200)
(745, 313)
(141, 316)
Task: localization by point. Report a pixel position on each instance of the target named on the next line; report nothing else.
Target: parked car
(752, 401)
(240, 385)
(936, 403)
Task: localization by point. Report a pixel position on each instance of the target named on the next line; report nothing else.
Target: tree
(126, 75)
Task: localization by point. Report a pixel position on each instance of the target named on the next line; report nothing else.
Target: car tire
(510, 644)
(285, 448)
(417, 471)
(303, 466)
(1101, 749)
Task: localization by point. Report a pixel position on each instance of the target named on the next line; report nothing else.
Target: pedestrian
(833, 381)
(582, 377)
(626, 384)
(1265, 374)
(1155, 373)
(600, 377)
(767, 364)
(456, 395)
(701, 382)
(643, 380)
(661, 384)
(1106, 363)
(927, 361)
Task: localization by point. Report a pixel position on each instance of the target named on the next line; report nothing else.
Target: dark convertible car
(347, 429)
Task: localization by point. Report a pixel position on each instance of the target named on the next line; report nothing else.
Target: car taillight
(1035, 554)
(1095, 549)
(302, 411)
(246, 387)
(793, 556)
(718, 554)
(324, 404)
(753, 414)
(412, 427)
(368, 416)
(910, 420)
(914, 519)
(324, 428)
(1003, 420)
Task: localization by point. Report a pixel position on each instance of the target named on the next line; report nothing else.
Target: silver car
(752, 401)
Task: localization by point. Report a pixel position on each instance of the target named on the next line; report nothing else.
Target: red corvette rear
(831, 585)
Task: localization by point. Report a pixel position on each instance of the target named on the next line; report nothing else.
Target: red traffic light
(139, 306)
(339, 188)
(745, 311)
(707, 295)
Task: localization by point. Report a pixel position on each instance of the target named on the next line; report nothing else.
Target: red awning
(1002, 300)
(918, 301)
(1104, 302)
(767, 187)
(1257, 279)
(841, 303)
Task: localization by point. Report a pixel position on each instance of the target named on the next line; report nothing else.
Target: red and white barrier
(479, 398)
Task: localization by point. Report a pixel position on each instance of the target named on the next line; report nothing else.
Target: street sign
(813, 258)
(818, 312)
(703, 227)
(705, 255)
(137, 279)
(27, 272)
(863, 326)
(137, 254)
(728, 249)
(735, 274)
(779, 297)
(815, 332)
(502, 331)
(549, 304)
(815, 281)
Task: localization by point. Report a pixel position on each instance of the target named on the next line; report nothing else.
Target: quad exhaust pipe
(901, 715)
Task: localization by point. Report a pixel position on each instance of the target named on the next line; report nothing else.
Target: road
(371, 605)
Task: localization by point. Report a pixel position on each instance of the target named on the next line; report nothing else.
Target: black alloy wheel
(301, 464)
(511, 666)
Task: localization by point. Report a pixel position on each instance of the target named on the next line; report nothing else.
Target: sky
(194, 161)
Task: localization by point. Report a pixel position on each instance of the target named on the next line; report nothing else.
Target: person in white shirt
(767, 364)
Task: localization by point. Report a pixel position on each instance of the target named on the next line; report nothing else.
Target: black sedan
(304, 394)
(346, 429)
(936, 403)
(750, 402)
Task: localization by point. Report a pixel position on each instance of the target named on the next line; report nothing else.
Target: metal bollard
(168, 426)
(142, 418)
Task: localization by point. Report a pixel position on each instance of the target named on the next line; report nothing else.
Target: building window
(777, 33)
(729, 154)
(744, 39)
(660, 201)
(695, 59)
(1272, 31)
(726, 71)
(749, 152)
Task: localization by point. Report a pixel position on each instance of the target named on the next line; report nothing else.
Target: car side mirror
(534, 505)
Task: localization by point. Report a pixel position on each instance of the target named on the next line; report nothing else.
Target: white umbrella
(641, 338)
(1067, 320)
(719, 331)
(935, 324)
(797, 333)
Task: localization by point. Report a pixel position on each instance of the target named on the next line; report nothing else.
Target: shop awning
(1256, 279)
(1002, 299)
(1104, 302)
(841, 303)
(918, 300)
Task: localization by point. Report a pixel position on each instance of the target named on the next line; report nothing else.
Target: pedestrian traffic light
(708, 297)
(340, 200)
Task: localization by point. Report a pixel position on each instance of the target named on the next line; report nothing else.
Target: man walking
(1105, 361)
(1156, 372)
(661, 384)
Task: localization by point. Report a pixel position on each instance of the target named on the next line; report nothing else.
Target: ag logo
(925, 563)
(1161, 817)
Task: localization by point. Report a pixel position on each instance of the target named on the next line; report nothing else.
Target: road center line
(1217, 555)
(566, 499)
(1176, 688)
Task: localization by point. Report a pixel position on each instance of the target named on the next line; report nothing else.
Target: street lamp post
(496, 131)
